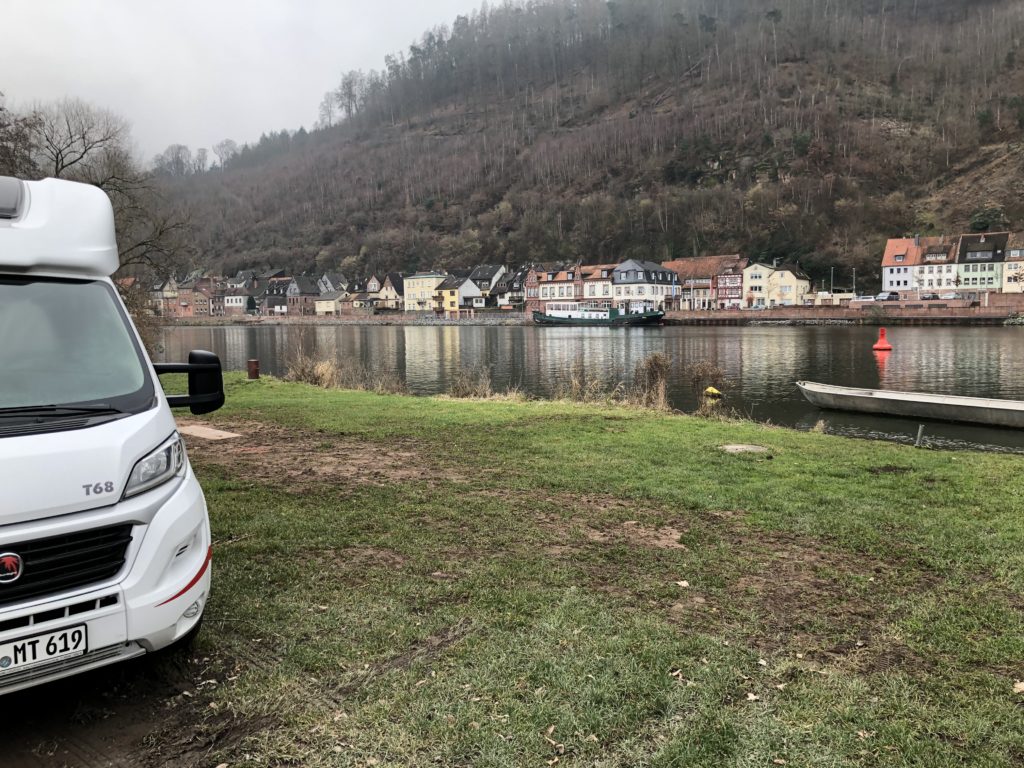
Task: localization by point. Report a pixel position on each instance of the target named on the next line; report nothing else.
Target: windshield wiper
(59, 410)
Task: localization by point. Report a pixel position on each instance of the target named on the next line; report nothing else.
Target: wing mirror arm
(205, 382)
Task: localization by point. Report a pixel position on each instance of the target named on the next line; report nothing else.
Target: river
(762, 364)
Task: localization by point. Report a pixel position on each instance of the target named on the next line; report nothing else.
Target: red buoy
(882, 345)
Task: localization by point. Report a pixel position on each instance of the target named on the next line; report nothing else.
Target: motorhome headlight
(157, 468)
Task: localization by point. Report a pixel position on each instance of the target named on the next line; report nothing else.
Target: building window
(899, 258)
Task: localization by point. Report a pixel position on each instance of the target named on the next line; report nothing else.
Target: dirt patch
(299, 460)
(786, 591)
(636, 534)
(221, 733)
(106, 718)
(564, 531)
(357, 557)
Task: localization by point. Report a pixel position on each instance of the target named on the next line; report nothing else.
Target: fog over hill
(580, 129)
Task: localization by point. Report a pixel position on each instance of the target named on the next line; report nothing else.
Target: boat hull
(647, 318)
(917, 405)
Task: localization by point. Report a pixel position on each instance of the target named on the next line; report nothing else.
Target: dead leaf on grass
(1018, 686)
(753, 697)
(684, 584)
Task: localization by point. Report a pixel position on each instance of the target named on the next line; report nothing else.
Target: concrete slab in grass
(205, 433)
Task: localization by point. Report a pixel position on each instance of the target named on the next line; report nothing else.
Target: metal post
(920, 435)
(253, 367)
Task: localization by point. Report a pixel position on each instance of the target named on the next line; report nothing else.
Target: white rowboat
(917, 405)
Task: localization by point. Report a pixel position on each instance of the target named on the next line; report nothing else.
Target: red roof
(593, 271)
(704, 267)
(911, 250)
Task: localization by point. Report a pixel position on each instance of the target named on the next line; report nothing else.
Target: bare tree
(17, 142)
(176, 160)
(199, 160)
(225, 150)
(77, 141)
(328, 107)
(73, 134)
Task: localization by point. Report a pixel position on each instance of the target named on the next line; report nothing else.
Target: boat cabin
(580, 310)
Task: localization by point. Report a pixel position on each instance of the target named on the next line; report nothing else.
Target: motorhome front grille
(59, 563)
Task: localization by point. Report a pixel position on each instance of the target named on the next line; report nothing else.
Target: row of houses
(701, 283)
(709, 282)
(983, 262)
(274, 293)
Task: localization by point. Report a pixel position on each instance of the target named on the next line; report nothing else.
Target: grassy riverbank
(422, 581)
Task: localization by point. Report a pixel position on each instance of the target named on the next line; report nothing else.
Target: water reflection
(761, 363)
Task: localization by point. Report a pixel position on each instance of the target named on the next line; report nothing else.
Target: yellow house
(446, 296)
(456, 294)
(419, 291)
(765, 286)
(1013, 270)
(788, 286)
(328, 305)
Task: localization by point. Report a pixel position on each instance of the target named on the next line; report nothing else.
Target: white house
(643, 285)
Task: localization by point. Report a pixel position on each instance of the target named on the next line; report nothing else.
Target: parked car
(863, 298)
(887, 296)
(104, 534)
(948, 296)
(929, 296)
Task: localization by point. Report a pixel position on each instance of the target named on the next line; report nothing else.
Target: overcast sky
(195, 72)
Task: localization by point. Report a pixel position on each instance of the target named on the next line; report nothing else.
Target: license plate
(43, 649)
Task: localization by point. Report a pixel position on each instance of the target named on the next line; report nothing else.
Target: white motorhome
(104, 536)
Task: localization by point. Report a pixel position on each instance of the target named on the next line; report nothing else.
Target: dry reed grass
(474, 382)
(330, 374)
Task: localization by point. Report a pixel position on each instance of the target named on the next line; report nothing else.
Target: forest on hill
(809, 130)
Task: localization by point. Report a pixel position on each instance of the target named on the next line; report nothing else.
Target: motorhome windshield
(67, 344)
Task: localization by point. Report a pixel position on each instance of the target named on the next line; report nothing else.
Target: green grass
(511, 603)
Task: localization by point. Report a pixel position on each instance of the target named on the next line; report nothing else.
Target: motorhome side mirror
(205, 382)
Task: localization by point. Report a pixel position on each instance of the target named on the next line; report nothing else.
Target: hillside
(803, 129)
